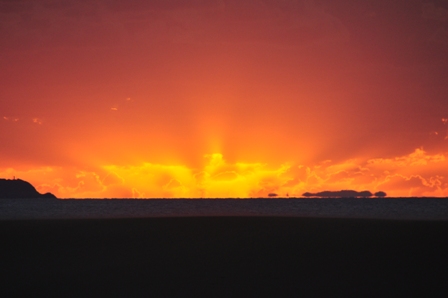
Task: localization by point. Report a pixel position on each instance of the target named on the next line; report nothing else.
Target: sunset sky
(220, 98)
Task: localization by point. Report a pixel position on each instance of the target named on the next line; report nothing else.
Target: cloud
(37, 121)
(154, 180)
(34, 120)
(80, 184)
(216, 179)
(415, 185)
(415, 174)
(12, 119)
(66, 182)
(118, 106)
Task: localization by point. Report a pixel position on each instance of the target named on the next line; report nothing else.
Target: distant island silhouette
(345, 194)
(17, 188)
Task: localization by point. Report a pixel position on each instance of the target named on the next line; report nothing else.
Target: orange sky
(224, 98)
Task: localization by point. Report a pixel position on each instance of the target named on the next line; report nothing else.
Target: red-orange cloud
(415, 174)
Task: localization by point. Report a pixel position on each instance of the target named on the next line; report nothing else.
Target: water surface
(387, 208)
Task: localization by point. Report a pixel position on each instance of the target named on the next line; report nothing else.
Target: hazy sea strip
(387, 208)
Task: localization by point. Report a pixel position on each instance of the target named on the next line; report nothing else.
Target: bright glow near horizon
(219, 179)
(224, 98)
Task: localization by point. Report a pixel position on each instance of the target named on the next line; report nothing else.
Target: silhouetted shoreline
(224, 256)
(17, 188)
(345, 194)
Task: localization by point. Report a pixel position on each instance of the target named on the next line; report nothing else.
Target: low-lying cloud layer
(416, 174)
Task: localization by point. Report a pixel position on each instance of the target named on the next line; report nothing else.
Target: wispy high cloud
(12, 119)
(37, 121)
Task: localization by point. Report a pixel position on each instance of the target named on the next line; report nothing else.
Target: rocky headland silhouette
(17, 188)
(345, 194)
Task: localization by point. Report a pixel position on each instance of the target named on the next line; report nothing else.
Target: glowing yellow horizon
(415, 174)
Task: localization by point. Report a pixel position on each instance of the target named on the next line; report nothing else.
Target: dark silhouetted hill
(341, 194)
(17, 188)
(380, 194)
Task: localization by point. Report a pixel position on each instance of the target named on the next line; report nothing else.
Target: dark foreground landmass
(345, 194)
(17, 188)
(224, 256)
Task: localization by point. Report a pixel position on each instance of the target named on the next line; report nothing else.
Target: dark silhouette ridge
(380, 194)
(344, 194)
(17, 188)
